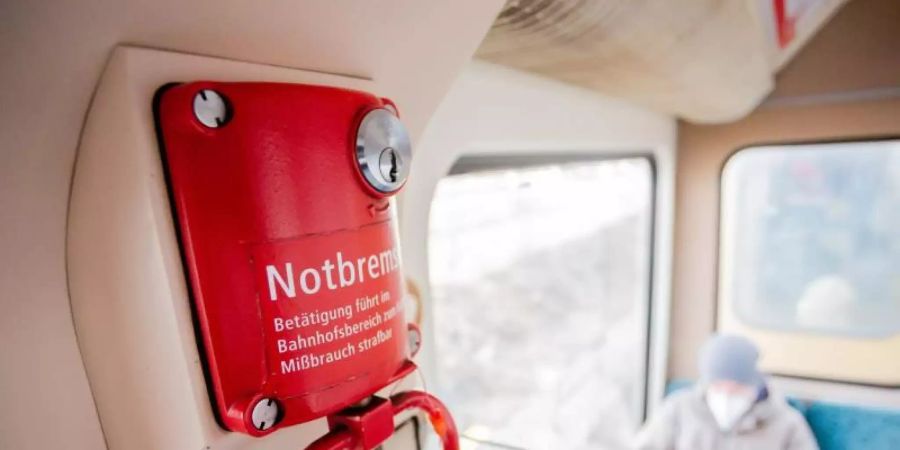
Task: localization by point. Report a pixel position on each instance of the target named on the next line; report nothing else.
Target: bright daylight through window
(540, 279)
(811, 237)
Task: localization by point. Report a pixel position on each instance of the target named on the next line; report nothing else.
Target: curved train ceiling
(702, 60)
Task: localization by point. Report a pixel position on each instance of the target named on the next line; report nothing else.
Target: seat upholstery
(851, 427)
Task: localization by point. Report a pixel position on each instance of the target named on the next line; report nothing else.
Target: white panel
(495, 110)
(127, 285)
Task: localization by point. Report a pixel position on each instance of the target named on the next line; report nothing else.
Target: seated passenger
(730, 408)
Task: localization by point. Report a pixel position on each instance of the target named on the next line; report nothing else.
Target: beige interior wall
(857, 50)
(52, 56)
(844, 84)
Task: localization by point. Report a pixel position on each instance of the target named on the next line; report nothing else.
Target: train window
(540, 278)
(811, 238)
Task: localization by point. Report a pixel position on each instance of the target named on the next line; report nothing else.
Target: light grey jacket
(684, 422)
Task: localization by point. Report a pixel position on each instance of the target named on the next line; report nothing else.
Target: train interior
(595, 188)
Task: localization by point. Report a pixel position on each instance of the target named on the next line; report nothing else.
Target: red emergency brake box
(291, 253)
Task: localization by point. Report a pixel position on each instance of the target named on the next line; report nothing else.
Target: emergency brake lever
(368, 426)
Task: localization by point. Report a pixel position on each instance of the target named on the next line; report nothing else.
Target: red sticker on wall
(330, 307)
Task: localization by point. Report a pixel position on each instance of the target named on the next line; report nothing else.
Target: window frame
(720, 305)
(468, 163)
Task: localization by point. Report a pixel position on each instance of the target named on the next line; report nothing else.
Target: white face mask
(728, 407)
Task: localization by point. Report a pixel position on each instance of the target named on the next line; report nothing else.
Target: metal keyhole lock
(383, 150)
(389, 164)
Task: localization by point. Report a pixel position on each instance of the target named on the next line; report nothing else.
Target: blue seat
(838, 426)
(677, 385)
(849, 427)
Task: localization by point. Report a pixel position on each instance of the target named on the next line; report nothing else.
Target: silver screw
(210, 108)
(265, 414)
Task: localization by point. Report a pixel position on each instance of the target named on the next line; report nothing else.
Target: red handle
(336, 440)
(342, 438)
(438, 415)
